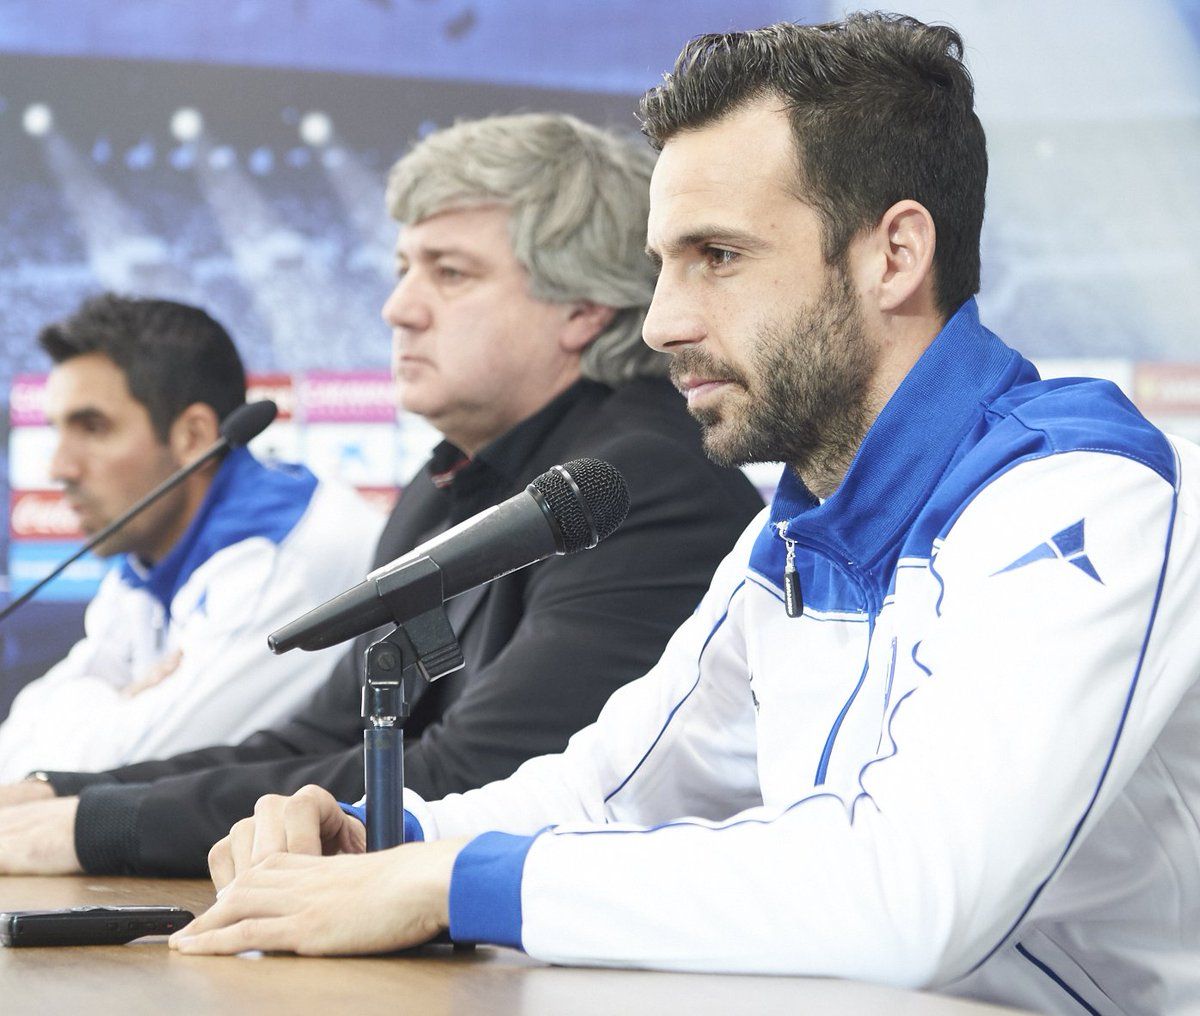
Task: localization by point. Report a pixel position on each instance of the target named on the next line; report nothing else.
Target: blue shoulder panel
(246, 499)
(1036, 420)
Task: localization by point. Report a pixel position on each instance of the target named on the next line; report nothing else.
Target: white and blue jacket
(973, 762)
(266, 545)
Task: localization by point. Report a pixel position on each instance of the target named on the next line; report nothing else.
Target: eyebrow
(87, 414)
(434, 253)
(705, 235)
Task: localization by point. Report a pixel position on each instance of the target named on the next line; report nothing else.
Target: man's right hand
(308, 822)
(24, 792)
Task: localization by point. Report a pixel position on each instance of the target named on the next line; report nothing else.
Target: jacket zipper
(793, 602)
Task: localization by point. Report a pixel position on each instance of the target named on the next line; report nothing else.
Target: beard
(805, 396)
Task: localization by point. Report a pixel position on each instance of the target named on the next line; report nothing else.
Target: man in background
(173, 655)
(516, 331)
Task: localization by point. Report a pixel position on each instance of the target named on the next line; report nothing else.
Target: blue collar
(908, 447)
(245, 499)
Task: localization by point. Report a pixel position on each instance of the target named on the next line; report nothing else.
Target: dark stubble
(806, 397)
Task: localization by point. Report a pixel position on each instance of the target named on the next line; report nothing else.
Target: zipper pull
(792, 601)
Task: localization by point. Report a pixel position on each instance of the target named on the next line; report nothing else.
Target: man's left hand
(330, 906)
(39, 838)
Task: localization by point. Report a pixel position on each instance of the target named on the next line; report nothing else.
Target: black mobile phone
(89, 925)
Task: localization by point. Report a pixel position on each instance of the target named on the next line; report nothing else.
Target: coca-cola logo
(276, 387)
(42, 514)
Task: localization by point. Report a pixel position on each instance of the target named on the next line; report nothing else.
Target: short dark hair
(882, 109)
(172, 355)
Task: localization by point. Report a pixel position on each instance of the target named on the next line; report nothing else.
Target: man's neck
(194, 489)
(900, 349)
(472, 442)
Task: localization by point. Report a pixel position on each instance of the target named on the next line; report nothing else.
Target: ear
(193, 432)
(584, 321)
(906, 238)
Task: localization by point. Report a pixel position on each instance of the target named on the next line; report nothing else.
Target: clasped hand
(295, 878)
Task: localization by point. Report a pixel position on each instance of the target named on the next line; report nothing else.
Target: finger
(270, 934)
(241, 844)
(213, 917)
(329, 815)
(302, 824)
(245, 899)
(270, 834)
(220, 864)
(353, 837)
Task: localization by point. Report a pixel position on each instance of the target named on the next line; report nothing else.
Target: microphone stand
(422, 648)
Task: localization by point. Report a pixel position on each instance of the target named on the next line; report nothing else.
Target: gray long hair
(578, 198)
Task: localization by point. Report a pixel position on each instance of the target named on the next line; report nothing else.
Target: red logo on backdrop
(1167, 387)
(42, 515)
(276, 387)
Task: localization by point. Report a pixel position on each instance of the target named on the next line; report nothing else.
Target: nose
(406, 307)
(673, 321)
(65, 466)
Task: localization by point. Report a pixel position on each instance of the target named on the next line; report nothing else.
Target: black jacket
(545, 647)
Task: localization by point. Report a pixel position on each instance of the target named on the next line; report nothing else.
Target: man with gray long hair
(516, 322)
(576, 222)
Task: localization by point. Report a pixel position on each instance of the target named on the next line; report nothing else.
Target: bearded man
(935, 722)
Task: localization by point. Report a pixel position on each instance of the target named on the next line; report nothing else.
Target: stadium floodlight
(38, 119)
(222, 157)
(186, 124)
(261, 161)
(316, 129)
(183, 158)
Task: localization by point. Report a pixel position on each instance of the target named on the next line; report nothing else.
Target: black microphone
(240, 427)
(567, 509)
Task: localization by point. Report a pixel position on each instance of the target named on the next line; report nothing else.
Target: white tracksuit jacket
(267, 544)
(973, 763)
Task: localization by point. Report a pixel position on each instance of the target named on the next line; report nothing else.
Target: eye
(719, 257)
(92, 425)
(448, 273)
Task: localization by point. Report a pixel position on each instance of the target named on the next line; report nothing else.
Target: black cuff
(70, 784)
(106, 828)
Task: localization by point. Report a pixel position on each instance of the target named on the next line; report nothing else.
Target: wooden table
(146, 977)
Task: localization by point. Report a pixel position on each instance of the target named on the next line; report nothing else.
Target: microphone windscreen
(588, 499)
(246, 422)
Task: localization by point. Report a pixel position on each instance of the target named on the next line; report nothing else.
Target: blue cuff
(485, 890)
(413, 833)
